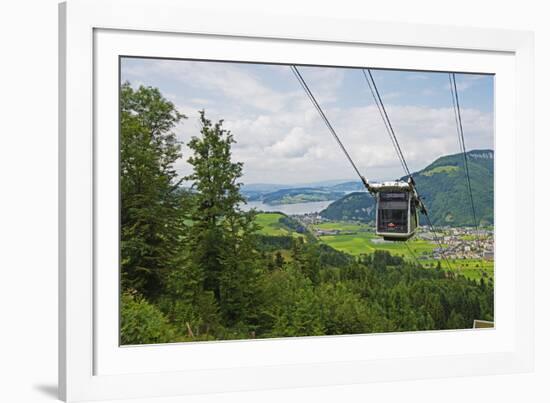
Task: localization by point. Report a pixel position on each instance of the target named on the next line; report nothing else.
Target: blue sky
(281, 138)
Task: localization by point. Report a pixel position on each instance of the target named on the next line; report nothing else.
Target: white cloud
(228, 80)
(291, 147)
(324, 82)
(294, 145)
(418, 76)
(282, 139)
(466, 81)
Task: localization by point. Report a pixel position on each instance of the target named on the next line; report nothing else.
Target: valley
(468, 252)
(341, 214)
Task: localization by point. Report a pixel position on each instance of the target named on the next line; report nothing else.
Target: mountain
(443, 188)
(262, 187)
(257, 191)
(357, 206)
(319, 184)
(300, 195)
(288, 194)
(350, 186)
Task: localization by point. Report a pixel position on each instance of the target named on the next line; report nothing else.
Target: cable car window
(392, 221)
(393, 212)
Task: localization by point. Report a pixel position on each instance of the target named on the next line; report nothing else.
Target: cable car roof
(390, 186)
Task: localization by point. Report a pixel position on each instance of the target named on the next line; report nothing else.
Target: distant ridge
(280, 194)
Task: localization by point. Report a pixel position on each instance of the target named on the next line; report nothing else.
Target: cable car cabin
(396, 210)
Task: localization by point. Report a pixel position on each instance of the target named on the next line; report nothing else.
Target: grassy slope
(270, 225)
(440, 169)
(443, 187)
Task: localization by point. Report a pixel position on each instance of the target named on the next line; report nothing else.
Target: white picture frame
(95, 33)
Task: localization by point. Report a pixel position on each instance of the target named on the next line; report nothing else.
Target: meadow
(271, 225)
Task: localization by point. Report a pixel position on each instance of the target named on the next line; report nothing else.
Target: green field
(270, 225)
(367, 242)
(364, 241)
(475, 269)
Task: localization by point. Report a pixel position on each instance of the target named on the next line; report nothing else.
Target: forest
(195, 267)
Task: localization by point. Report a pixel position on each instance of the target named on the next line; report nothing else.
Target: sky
(281, 138)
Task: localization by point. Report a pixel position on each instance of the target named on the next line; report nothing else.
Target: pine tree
(221, 237)
(151, 221)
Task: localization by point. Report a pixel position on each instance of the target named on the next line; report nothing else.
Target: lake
(289, 209)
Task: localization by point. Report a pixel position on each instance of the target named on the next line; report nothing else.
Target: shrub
(142, 322)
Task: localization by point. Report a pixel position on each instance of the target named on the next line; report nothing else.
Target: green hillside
(357, 206)
(443, 187)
